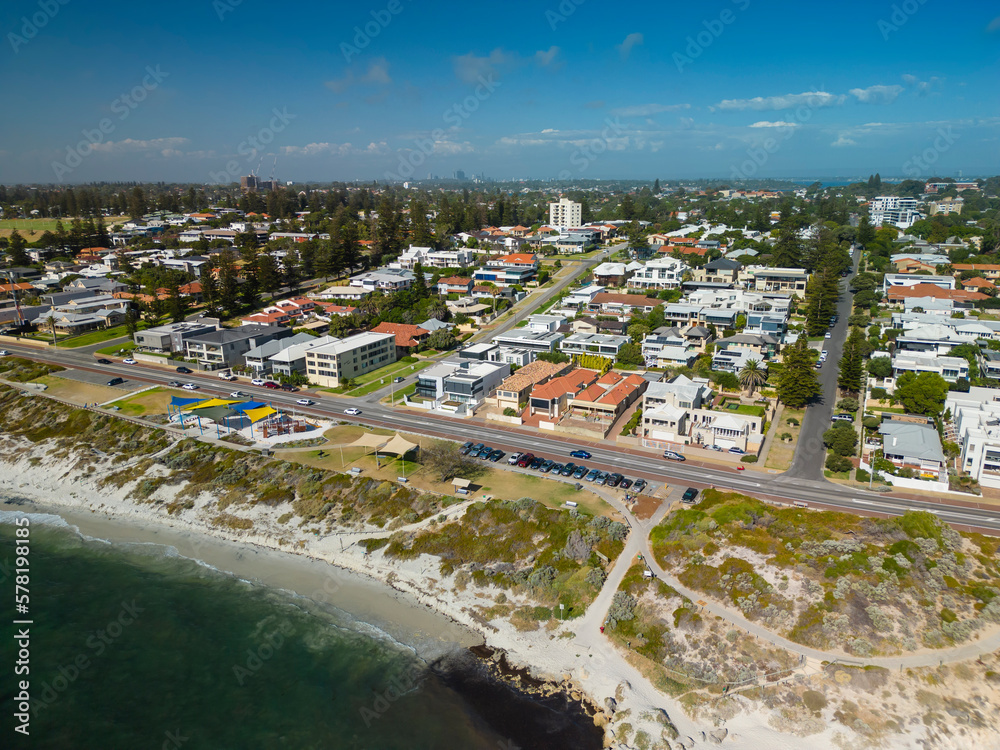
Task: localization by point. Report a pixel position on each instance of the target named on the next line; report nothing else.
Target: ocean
(135, 646)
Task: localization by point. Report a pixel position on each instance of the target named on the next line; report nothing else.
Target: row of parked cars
(548, 466)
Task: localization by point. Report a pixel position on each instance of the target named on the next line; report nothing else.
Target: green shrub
(837, 463)
(750, 459)
(862, 476)
(792, 421)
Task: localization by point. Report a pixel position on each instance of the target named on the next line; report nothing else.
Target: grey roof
(724, 264)
(433, 324)
(919, 441)
(228, 335)
(270, 348)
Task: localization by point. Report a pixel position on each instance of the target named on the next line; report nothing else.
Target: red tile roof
(978, 282)
(571, 383)
(454, 280)
(932, 290)
(406, 335)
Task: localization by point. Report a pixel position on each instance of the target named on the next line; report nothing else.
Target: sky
(211, 90)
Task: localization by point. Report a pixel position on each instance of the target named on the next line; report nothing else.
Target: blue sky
(206, 91)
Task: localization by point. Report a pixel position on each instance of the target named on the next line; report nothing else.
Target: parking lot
(98, 378)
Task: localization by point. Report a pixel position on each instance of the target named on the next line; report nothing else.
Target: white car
(514, 459)
(236, 394)
(257, 381)
(353, 412)
(189, 387)
(4, 353)
(828, 335)
(303, 402)
(128, 361)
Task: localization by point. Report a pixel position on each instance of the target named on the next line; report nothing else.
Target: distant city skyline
(209, 92)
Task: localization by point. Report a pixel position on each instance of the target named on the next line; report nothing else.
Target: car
(257, 381)
(352, 411)
(712, 448)
(4, 353)
(674, 456)
(174, 384)
(303, 402)
(104, 361)
(236, 394)
(467, 444)
(546, 466)
(741, 467)
(568, 469)
(272, 385)
(580, 472)
(288, 388)
(227, 375)
(115, 381)
(465, 451)
(614, 480)
(592, 475)
(128, 361)
(514, 458)
(525, 460)
(737, 451)
(398, 380)
(639, 485)
(484, 452)
(476, 448)
(184, 370)
(579, 454)
(190, 387)
(827, 335)
(626, 483)
(557, 469)
(689, 495)
(601, 477)
(842, 418)
(495, 456)
(536, 462)
(819, 365)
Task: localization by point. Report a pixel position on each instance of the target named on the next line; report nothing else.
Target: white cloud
(316, 149)
(788, 101)
(775, 124)
(644, 110)
(923, 87)
(843, 140)
(377, 75)
(877, 94)
(625, 48)
(547, 57)
(131, 145)
(469, 68)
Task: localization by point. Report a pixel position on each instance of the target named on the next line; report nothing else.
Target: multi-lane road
(605, 455)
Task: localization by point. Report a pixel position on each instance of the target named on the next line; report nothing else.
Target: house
(593, 343)
(989, 271)
(615, 275)
(454, 285)
(976, 416)
(735, 359)
(515, 260)
(668, 349)
(720, 270)
(225, 347)
(433, 324)
(70, 323)
(273, 318)
(762, 346)
(602, 403)
(586, 324)
(938, 339)
(504, 276)
(293, 358)
(471, 381)
(170, 337)
(622, 305)
(408, 337)
(330, 365)
(545, 323)
(677, 412)
(550, 398)
(534, 341)
(989, 364)
(949, 368)
(326, 310)
(513, 391)
(583, 296)
(916, 446)
(428, 257)
(764, 279)
(258, 359)
(898, 294)
(659, 273)
(891, 280)
(344, 294)
(385, 280)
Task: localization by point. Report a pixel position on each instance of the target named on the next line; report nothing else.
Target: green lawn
(127, 346)
(751, 410)
(398, 395)
(96, 337)
(372, 381)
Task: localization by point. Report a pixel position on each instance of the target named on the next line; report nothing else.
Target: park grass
(77, 391)
(154, 401)
(348, 433)
(97, 337)
(377, 383)
(780, 454)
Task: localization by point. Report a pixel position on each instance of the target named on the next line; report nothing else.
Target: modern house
(385, 280)
(225, 347)
(170, 337)
(764, 279)
(622, 305)
(659, 273)
(593, 343)
(259, 359)
(332, 364)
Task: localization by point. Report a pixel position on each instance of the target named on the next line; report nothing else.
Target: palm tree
(752, 376)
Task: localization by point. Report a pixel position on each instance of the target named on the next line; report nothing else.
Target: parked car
(467, 444)
(190, 387)
(592, 475)
(689, 495)
(674, 456)
(639, 485)
(4, 353)
(579, 454)
(568, 469)
(236, 394)
(546, 466)
(105, 362)
(842, 418)
(525, 460)
(484, 452)
(257, 381)
(712, 448)
(128, 361)
(398, 380)
(557, 469)
(465, 450)
(626, 483)
(115, 381)
(288, 388)
(272, 385)
(737, 451)
(601, 476)
(514, 458)
(496, 455)
(174, 384)
(827, 335)
(476, 448)
(614, 480)
(536, 462)
(580, 472)
(182, 369)
(303, 402)
(352, 411)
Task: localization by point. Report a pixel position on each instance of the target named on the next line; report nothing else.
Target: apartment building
(764, 279)
(659, 273)
(226, 347)
(565, 213)
(895, 210)
(330, 365)
(170, 337)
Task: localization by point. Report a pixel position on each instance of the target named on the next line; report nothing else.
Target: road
(605, 456)
(807, 463)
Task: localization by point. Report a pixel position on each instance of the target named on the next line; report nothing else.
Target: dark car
(496, 455)
(592, 475)
(525, 460)
(184, 370)
(104, 361)
(579, 454)
(484, 452)
(536, 462)
(174, 384)
(689, 495)
(115, 381)
(580, 472)
(639, 485)
(626, 483)
(467, 446)
(615, 479)
(568, 469)
(272, 385)
(557, 469)
(737, 451)
(289, 388)
(546, 466)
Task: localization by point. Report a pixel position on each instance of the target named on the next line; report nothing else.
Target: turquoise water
(134, 648)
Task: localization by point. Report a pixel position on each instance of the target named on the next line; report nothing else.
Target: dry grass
(348, 433)
(780, 455)
(76, 391)
(147, 402)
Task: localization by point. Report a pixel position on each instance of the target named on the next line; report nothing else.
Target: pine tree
(17, 250)
(797, 382)
(228, 281)
(787, 251)
(852, 362)
(176, 304)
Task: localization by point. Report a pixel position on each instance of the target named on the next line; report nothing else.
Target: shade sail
(215, 413)
(398, 445)
(248, 405)
(461, 483)
(255, 415)
(181, 401)
(368, 440)
(214, 402)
